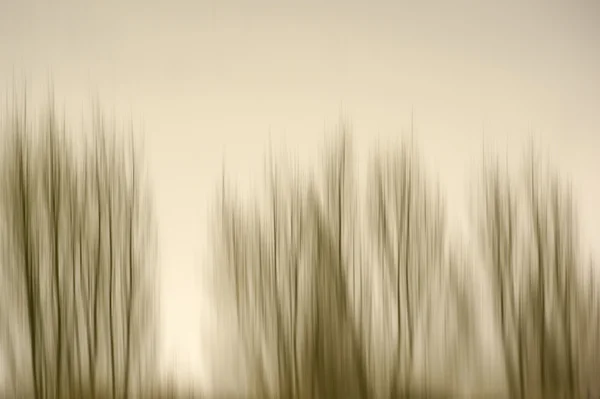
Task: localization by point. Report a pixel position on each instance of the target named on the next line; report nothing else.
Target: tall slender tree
(76, 227)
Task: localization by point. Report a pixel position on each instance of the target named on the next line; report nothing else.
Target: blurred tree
(76, 238)
(529, 238)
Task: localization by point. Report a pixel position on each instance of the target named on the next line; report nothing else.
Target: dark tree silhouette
(296, 270)
(76, 237)
(409, 236)
(529, 237)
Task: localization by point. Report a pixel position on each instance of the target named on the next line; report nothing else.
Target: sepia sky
(214, 81)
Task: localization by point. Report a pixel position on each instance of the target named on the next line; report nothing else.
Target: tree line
(339, 294)
(334, 291)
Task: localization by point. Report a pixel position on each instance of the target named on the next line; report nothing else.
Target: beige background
(214, 80)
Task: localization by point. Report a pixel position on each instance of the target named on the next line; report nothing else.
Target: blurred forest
(333, 291)
(338, 293)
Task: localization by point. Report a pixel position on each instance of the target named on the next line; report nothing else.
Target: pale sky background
(209, 80)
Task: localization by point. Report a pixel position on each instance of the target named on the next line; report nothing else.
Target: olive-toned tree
(297, 269)
(419, 274)
(76, 232)
(287, 265)
(530, 241)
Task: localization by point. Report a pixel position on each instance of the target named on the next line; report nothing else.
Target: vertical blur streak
(77, 231)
